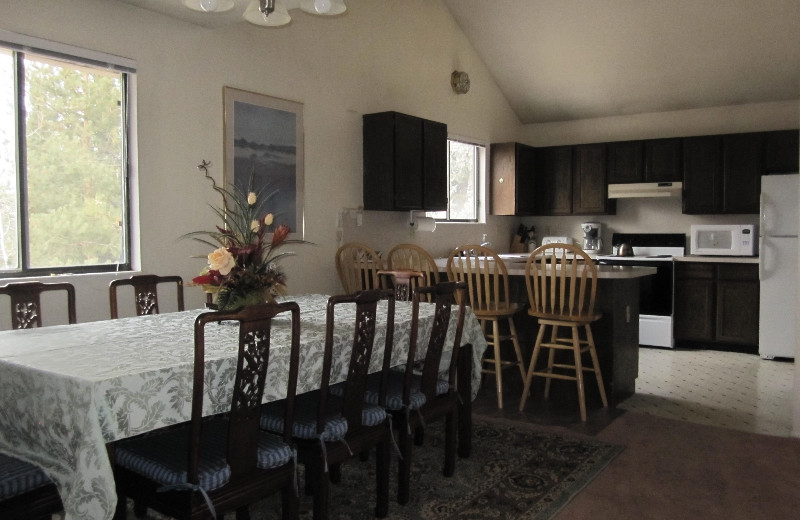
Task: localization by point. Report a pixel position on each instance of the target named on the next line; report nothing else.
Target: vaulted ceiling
(561, 60)
(558, 60)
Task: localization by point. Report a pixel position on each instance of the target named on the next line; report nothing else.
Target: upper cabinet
(781, 151)
(662, 160)
(512, 186)
(652, 160)
(702, 177)
(405, 163)
(722, 173)
(589, 186)
(554, 180)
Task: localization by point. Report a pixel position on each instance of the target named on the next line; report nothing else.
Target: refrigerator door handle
(761, 253)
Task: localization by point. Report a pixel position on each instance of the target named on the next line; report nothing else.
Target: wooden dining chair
(333, 424)
(223, 463)
(357, 266)
(26, 493)
(411, 256)
(145, 292)
(402, 281)
(26, 306)
(421, 394)
(486, 276)
(561, 280)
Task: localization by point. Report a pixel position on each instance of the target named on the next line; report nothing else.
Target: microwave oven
(723, 239)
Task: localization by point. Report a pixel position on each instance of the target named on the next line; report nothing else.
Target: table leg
(465, 365)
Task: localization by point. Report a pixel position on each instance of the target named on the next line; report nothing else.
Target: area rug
(515, 471)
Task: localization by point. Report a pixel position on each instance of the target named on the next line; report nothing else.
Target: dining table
(68, 392)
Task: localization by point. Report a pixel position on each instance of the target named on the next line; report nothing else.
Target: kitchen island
(616, 334)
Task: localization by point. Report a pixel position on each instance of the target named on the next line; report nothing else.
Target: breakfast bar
(616, 334)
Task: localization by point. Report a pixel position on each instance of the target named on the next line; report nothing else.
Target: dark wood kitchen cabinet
(741, 172)
(513, 179)
(781, 151)
(652, 160)
(625, 162)
(716, 305)
(694, 302)
(702, 174)
(405, 163)
(590, 189)
(722, 173)
(662, 160)
(571, 180)
(554, 180)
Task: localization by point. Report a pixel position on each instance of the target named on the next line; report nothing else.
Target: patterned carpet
(515, 472)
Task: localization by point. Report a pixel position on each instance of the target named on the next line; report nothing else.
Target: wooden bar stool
(486, 277)
(562, 281)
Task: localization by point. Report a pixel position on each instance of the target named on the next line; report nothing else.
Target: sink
(514, 257)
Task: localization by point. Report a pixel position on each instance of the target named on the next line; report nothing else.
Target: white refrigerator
(778, 266)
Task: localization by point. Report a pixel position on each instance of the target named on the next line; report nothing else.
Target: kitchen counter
(616, 334)
(718, 259)
(516, 267)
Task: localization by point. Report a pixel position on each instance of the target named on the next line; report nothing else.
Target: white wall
(382, 55)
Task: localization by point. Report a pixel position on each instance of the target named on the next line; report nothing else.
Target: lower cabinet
(716, 305)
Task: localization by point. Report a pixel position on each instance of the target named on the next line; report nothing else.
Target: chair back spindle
(357, 266)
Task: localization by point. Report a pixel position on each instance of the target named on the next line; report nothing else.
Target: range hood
(644, 189)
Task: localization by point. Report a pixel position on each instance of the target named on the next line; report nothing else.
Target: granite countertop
(718, 259)
(516, 267)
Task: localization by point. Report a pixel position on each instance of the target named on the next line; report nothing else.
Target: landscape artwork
(264, 138)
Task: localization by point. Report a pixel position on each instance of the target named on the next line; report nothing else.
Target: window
(465, 166)
(63, 162)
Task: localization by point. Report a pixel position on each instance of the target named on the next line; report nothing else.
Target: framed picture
(264, 138)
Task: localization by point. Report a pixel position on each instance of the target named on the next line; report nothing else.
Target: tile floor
(728, 389)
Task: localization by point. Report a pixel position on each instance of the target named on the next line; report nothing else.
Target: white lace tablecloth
(66, 391)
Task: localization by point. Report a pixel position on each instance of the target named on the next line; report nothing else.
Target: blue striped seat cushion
(305, 419)
(394, 393)
(371, 414)
(17, 477)
(162, 457)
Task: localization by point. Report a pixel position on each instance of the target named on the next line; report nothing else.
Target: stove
(656, 292)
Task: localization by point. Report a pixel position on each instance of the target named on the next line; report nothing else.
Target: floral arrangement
(243, 268)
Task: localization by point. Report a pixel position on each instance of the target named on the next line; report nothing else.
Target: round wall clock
(460, 82)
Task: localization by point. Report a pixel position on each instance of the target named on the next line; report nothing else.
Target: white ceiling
(561, 60)
(558, 60)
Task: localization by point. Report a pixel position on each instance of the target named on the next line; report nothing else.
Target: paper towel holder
(414, 224)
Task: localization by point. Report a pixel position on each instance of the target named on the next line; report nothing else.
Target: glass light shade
(323, 7)
(209, 6)
(278, 17)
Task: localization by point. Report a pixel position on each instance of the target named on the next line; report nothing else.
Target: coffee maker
(591, 237)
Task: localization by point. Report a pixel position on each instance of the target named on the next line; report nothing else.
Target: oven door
(655, 300)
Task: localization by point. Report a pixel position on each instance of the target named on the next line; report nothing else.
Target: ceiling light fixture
(209, 6)
(267, 13)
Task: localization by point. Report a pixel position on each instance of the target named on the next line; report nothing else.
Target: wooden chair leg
(532, 367)
(404, 440)
(576, 350)
(598, 374)
(498, 367)
(290, 503)
(550, 360)
(517, 350)
(450, 445)
(321, 492)
(382, 462)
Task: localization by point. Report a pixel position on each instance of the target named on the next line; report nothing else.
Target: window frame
(20, 45)
(479, 183)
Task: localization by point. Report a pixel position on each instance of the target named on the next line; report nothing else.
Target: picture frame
(264, 137)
